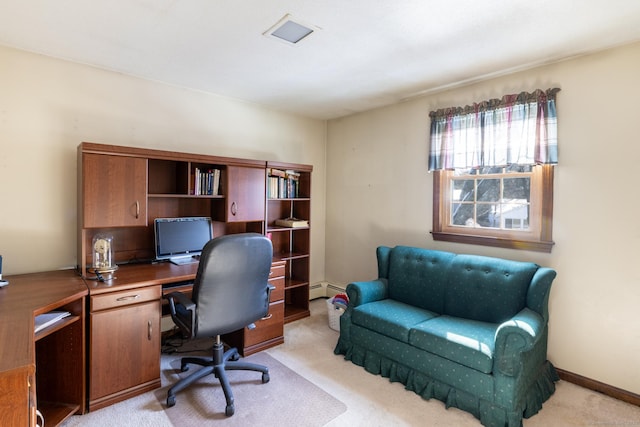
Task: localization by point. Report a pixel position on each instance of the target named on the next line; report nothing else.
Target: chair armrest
(188, 305)
(514, 337)
(182, 300)
(363, 292)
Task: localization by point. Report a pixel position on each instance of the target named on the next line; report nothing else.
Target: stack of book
(47, 319)
(206, 183)
(292, 222)
(283, 184)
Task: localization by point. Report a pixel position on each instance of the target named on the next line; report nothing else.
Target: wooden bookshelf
(289, 196)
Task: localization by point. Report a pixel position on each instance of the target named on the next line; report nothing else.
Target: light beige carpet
(371, 401)
(286, 400)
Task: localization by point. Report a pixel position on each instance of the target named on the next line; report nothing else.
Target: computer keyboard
(177, 284)
(186, 260)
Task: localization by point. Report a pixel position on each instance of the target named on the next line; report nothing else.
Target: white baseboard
(333, 290)
(324, 290)
(318, 290)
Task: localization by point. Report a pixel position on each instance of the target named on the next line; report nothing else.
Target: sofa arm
(539, 290)
(363, 292)
(514, 337)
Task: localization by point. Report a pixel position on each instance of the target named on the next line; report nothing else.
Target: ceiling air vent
(289, 30)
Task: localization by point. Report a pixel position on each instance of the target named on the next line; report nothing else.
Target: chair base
(220, 363)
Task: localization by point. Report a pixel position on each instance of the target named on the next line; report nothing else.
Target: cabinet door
(124, 349)
(16, 406)
(245, 194)
(114, 191)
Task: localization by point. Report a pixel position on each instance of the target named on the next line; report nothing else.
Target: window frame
(538, 238)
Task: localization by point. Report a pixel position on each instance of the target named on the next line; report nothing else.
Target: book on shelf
(277, 173)
(292, 222)
(206, 183)
(283, 184)
(47, 319)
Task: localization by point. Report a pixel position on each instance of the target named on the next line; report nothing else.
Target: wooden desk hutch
(108, 349)
(121, 190)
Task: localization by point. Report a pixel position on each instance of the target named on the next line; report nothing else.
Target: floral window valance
(518, 129)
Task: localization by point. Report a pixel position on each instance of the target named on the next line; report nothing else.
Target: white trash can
(334, 315)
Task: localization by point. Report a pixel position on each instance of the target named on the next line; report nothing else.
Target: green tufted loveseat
(468, 330)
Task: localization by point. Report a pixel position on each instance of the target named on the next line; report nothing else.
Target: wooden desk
(134, 276)
(123, 323)
(57, 352)
(268, 332)
(124, 330)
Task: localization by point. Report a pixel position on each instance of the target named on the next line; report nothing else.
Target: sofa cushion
(487, 289)
(389, 317)
(468, 342)
(418, 277)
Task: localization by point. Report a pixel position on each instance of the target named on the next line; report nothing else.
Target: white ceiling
(365, 53)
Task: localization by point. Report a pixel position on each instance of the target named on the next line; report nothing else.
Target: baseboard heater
(324, 290)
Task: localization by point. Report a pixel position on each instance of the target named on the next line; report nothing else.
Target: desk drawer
(277, 269)
(276, 278)
(123, 298)
(272, 326)
(277, 294)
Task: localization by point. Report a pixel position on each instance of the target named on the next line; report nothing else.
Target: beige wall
(48, 106)
(379, 193)
(377, 185)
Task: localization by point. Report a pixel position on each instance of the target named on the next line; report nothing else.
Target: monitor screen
(180, 239)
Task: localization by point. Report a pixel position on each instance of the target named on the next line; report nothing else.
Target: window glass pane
(462, 190)
(462, 214)
(488, 190)
(488, 215)
(516, 215)
(490, 170)
(517, 189)
(519, 168)
(462, 172)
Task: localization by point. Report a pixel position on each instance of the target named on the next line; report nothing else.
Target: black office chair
(231, 291)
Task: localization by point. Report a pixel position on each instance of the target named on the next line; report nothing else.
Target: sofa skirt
(489, 413)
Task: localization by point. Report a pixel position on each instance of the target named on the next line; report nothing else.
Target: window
(493, 172)
(503, 207)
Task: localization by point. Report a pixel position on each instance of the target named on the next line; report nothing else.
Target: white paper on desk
(48, 319)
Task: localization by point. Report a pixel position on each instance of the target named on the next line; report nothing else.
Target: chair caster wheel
(235, 357)
(171, 401)
(184, 368)
(229, 410)
(265, 378)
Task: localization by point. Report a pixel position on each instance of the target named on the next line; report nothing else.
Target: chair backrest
(231, 286)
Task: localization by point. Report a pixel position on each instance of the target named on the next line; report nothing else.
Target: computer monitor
(180, 240)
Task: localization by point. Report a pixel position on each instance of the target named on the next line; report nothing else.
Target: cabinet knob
(149, 330)
(234, 208)
(137, 209)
